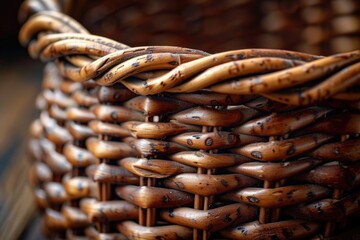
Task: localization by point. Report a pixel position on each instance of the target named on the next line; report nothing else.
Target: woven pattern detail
(161, 142)
(319, 27)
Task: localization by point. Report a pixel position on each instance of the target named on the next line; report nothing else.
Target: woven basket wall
(164, 142)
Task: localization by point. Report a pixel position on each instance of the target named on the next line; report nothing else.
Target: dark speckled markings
(165, 198)
(209, 141)
(135, 64)
(80, 186)
(261, 125)
(243, 230)
(310, 195)
(224, 182)
(227, 218)
(291, 150)
(253, 199)
(171, 213)
(318, 207)
(149, 57)
(256, 154)
(114, 115)
(180, 185)
(174, 63)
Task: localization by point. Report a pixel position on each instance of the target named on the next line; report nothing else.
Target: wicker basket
(162, 142)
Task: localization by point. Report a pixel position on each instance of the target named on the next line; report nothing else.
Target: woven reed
(161, 142)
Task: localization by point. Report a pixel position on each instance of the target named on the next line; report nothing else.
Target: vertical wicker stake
(57, 207)
(337, 194)
(53, 124)
(275, 212)
(264, 215)
(143, 182)
(78, 185)
(151, 213)
(203, 203)
(208, 200)
(75, 172)
(104, 190)
(142, 211)
(147, 217)
(265, 212)
(199, 202)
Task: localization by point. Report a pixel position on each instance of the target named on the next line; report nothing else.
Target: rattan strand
(161, 142)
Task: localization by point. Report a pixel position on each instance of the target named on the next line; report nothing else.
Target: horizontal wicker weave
(164, 142)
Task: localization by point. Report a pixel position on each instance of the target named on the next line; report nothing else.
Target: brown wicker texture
(314, 26)
(161, 142)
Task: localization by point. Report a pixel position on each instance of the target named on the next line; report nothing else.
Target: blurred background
(19, 83)
(313, 26)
